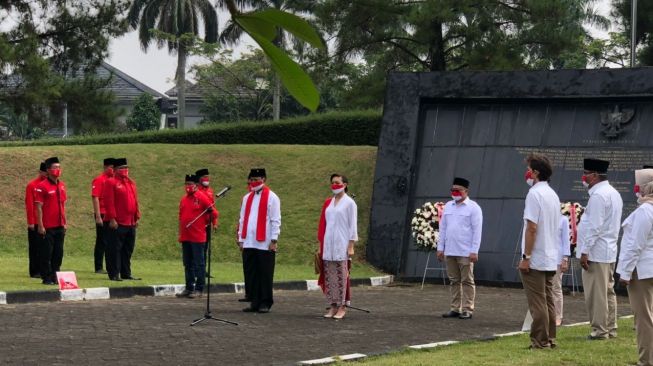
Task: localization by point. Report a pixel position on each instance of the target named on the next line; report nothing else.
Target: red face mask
(123, 172)
(55, 172)
(190, 189)
(337, 186)
(109, 172)
(254, 185)
(204, 182)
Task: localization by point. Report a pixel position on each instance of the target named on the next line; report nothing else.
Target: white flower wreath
(425, 225)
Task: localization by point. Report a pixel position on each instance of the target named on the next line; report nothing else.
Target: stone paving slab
(156, 331)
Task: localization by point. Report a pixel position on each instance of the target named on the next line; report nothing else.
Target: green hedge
(335, 128)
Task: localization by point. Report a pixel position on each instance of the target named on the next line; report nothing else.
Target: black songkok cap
(461, 182)
(202, 172)
(647, 167)
(119, 162)
(596, 165)
(191, 178)
(50, 161)
(42, 167)
(109, 161)
(257, 173)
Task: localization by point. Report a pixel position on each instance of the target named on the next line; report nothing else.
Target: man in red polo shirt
(204, 187)
(50, 201)
(121, 204)
(192, 235)
(99, 210)
(32, 235)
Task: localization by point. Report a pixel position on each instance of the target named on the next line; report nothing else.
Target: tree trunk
(276, 93)
(276, 98)
(436, 50)
(181, 86)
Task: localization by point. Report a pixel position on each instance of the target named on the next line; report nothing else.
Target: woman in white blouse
(636, 264)
(339, 224)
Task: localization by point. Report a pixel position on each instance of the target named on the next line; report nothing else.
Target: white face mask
(585, 184)
(638, 195)
(456, 198)
(205, 183)
(338, 191)
(530, 182)
(257, 188)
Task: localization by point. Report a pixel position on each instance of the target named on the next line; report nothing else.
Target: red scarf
(261, 221)
(321, 230)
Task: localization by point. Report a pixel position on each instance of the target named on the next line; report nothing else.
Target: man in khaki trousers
(460, 240)
(598, 232)
(636, 264)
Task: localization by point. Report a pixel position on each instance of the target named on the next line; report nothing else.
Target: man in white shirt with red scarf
(598, 232)
(258, 231)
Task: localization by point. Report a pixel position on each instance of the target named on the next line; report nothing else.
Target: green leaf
(298, 26)
(252, 24)
(296, 80)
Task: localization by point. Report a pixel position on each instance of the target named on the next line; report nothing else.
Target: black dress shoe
(250, 309)
(264, 309)
(465, 315)
(131, 278)
(100, 271)
(244, 299)
(48, 282)
(451, 314)
(115, 278)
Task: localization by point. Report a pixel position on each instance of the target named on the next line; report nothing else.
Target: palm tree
(232, 33)
(175, 18)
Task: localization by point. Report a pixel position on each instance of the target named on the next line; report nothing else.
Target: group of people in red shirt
(116, 212)
(115, 206)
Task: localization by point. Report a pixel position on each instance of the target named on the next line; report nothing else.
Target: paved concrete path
(156, 331)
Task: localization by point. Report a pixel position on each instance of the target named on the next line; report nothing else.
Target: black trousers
(120, 247)
(100, 247)
(259, 276)
(33, 248)
(51, 253)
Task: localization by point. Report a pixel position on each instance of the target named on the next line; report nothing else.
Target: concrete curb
(106, 293)
(360, 356)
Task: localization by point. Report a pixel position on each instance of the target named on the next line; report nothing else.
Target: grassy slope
(298, 174)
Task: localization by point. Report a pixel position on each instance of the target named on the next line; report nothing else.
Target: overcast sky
(156, 67)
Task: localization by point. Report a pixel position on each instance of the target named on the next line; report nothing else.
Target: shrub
(335, 128)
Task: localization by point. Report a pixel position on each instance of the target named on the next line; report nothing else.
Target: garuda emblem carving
(612, 123)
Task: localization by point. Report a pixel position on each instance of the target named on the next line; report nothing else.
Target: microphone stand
(207, 313)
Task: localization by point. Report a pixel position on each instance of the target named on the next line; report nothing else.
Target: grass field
(298, 174)
(573, 349)
(13, 273)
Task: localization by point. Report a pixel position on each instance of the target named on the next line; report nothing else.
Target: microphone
(223, 192)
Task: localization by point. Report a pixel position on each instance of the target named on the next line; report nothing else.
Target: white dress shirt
(599, 226)
(637, 244)
(273, 222)
(565, 250)
(460, 228)
(341, 227)
(542, 207)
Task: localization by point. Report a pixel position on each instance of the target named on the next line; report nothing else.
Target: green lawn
(573, 349)
(13, 273)
(299, 174)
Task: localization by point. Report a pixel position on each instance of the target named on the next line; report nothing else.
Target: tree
(145, 115)
(43, 40)
(644, 31)
(266, 27)
(438, 35)
(180, 20)
(236, 90)
(232, 34)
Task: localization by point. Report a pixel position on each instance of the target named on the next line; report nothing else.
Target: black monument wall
(481, 125)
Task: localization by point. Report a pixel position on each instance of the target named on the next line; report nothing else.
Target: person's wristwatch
(525, 257)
